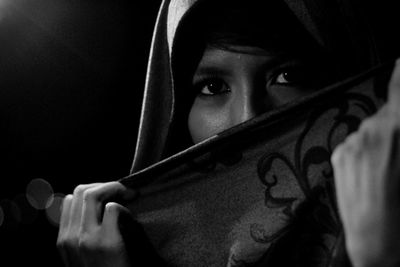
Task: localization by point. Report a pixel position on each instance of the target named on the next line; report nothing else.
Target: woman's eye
(290, 77)
(212, 87)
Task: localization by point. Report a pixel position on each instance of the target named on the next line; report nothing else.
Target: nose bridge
(245, 105)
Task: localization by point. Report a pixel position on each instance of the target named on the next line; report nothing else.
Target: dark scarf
(259, 194)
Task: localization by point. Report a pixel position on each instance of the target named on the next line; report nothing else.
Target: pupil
(214, 86)
(287, 76)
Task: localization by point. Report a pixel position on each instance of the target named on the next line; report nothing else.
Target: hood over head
(183, 27)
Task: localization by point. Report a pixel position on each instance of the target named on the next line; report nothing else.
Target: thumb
(113, 212)
(394, 90)
(120, 222)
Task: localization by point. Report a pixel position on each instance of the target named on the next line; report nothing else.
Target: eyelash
(281, 74)
(207, 81)
(200, 85)
(291, 70)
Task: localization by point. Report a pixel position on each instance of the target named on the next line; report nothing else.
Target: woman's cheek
(207, 120)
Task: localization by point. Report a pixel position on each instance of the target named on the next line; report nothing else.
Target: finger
(112, 214)
(76, 208)
(95, 197)
(119, 227)
(63, 230)
(65, 213)
(343, 162)
(394, 89)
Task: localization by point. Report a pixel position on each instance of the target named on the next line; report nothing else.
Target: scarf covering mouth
(261, 193)
(218, 210)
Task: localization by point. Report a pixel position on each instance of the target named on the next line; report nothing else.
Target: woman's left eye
(212, 87)
(289, 76)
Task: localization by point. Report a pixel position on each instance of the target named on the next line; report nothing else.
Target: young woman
(216, 64)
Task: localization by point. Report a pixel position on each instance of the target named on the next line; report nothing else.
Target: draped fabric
(260, 193)
(335, 24)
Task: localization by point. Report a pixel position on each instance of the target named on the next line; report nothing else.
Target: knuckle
(369, 123)
(66, 241)
(117, 186)
(352, 142)
(88, 195)
(112, 207)
(60, 243)
(337, 155)
(113, 183)
(67, 200)
(349, 148)
(91, 194)
(88, 242)
(80, 189)
(96, 243)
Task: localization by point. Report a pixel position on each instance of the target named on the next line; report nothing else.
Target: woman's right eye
(211, 87)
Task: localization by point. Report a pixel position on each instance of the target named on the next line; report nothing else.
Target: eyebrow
(210, 71)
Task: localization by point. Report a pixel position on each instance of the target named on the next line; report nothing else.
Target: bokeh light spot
(39, 193)
(53, 212)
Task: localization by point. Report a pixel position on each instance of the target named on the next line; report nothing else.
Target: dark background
(72, 74)
(71, 79)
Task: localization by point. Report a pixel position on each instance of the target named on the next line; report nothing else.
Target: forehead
(238, 53)
(233, 59)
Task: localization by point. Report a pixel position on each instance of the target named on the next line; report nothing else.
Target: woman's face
(236, 84)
